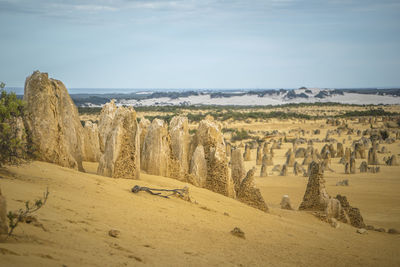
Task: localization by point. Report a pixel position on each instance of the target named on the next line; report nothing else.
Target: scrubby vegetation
(12, 146)
(243, 113)
(370, 113)
(15, 217)
(240, 135)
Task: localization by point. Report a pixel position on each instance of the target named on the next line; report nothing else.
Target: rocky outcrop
(373, 157)
(290, 159)
(363, 167)
(259, 154)
(352, 165)
(53, 121)
(228, 149)
(249, 194)
(359, 151)
(347, 168)
(106, 119)
(3, 215)
(296, 168)
(283, 170)
(316, 196)
(247, 153)
(392, 161)
(121, 158)
(317, 199)
(347, 154)
(300, 152)
(268, 159)
(307, 159)
(351, 214)
(91, 142)
(209, 135)
(143, 125)
(263, 172)
(156, 151)
(198, 167)
(339, 150)
(238, 171)
(180, 141)
(285, 203)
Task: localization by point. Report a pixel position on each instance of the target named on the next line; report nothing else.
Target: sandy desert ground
(83, 207)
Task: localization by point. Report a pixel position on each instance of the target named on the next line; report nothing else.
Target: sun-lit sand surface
(83, 207)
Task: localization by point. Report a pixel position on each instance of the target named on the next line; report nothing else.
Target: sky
(202, 44)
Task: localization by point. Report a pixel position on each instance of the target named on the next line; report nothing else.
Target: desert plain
(82, 208)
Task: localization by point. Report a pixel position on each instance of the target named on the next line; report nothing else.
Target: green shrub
(240, 135)
(12, 146)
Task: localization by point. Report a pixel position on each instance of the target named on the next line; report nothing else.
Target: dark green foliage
(11, 146)
(228, 130)
(223, 113)
(384, 134)
(89, 110)
(371, 112)
(166, 118)
(240, 135)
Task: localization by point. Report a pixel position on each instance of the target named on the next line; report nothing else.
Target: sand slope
(83, 207)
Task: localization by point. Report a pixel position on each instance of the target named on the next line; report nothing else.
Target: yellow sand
(83, 207)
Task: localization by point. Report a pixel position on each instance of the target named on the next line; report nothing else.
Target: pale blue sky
(202, 44)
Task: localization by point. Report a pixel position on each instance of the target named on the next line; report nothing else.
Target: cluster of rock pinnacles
(123, 147)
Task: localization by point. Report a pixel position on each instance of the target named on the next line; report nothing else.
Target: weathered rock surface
(359, 151)
(247, 153)
(315, 197)
(259, 154)
(363, 167)
(91, 142)
(143, 125)
(372, 157)
(209, 135)
(339, 150)
(121, 158)
(156, 151)
(283, 170)
(263, 172)
(300, 152)
(198, 167)
(250, 195)
(53, 121)
(352, 215)
(106, 119)
(290, 159)
(238, 171)
(285, 203)
(180, 141)
(392, 161)
(352, 165)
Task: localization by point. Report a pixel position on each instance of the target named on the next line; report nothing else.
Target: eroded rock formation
(315, 197)
(121, 158)
(143, 125)
(249, 194)
(156, 151)
(91, 142)
(52, 118)
(106, 119)
(209, 135)
(198, 167)
(180, 141)
(238, 171)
